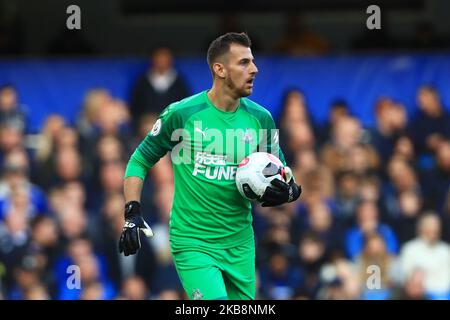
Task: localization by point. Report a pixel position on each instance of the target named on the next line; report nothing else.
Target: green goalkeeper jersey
(206, 147)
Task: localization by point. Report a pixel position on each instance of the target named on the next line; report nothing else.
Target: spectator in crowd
(44, 244)
(375, 260)
(338, 109)
(312, 253)
(430, 125)
(113, 119)
(367, 222)
(436, 180)
(158, 87)
(11, 112)
(68, 168)
(74, 194)
(26, 273)
(38, 253)
(16, 190)
(110, 181)
(67, 138)
(362, 160)
(347, 196)
(11, 137)
(390, 123)
(346, 135)
(410, 206)
(171, 294)
(413, 288)
(14, 235)
(280, 278)
(94, 101)
(431, 255)
(92, 272)
(369, 189)
(110, 149)
(313, 174)
(402, 178)
(404, 149)
(134, 288)
(73, 222)
(321, 221)
(277, 235)
(339, 280)
(102, 114)
(300, 137)
(293, 110)
(36, 292)
(165, 275)
(446, 217)
(46, 148)
(295, 124)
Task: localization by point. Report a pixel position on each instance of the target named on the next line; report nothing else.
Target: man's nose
(254, 69)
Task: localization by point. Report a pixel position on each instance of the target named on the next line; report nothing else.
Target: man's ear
(219, 70)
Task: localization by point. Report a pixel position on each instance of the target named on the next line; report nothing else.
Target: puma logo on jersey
(203, 132)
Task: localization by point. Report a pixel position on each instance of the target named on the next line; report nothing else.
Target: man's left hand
(281, 192)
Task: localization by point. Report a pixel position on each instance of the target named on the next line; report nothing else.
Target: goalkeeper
(211, 234)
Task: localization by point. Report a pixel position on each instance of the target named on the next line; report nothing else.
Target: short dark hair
(429, 87)
(339, 103)
(7, 86)
(221, 45)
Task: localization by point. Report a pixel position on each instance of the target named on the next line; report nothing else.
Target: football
(255, 172)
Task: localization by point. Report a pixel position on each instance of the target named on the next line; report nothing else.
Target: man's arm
(155, 145)
(130, 242)
(132, 188)
(135, 174)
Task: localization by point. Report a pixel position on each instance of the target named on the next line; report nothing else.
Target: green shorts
(213, 274)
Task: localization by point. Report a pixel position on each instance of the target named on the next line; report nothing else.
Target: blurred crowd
(372, 222)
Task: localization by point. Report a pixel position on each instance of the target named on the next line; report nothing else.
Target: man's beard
(233, 88)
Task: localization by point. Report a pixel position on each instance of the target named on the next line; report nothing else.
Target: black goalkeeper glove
(281, 192)
(130, 241)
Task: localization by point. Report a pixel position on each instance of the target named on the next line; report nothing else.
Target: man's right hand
(130, 241)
